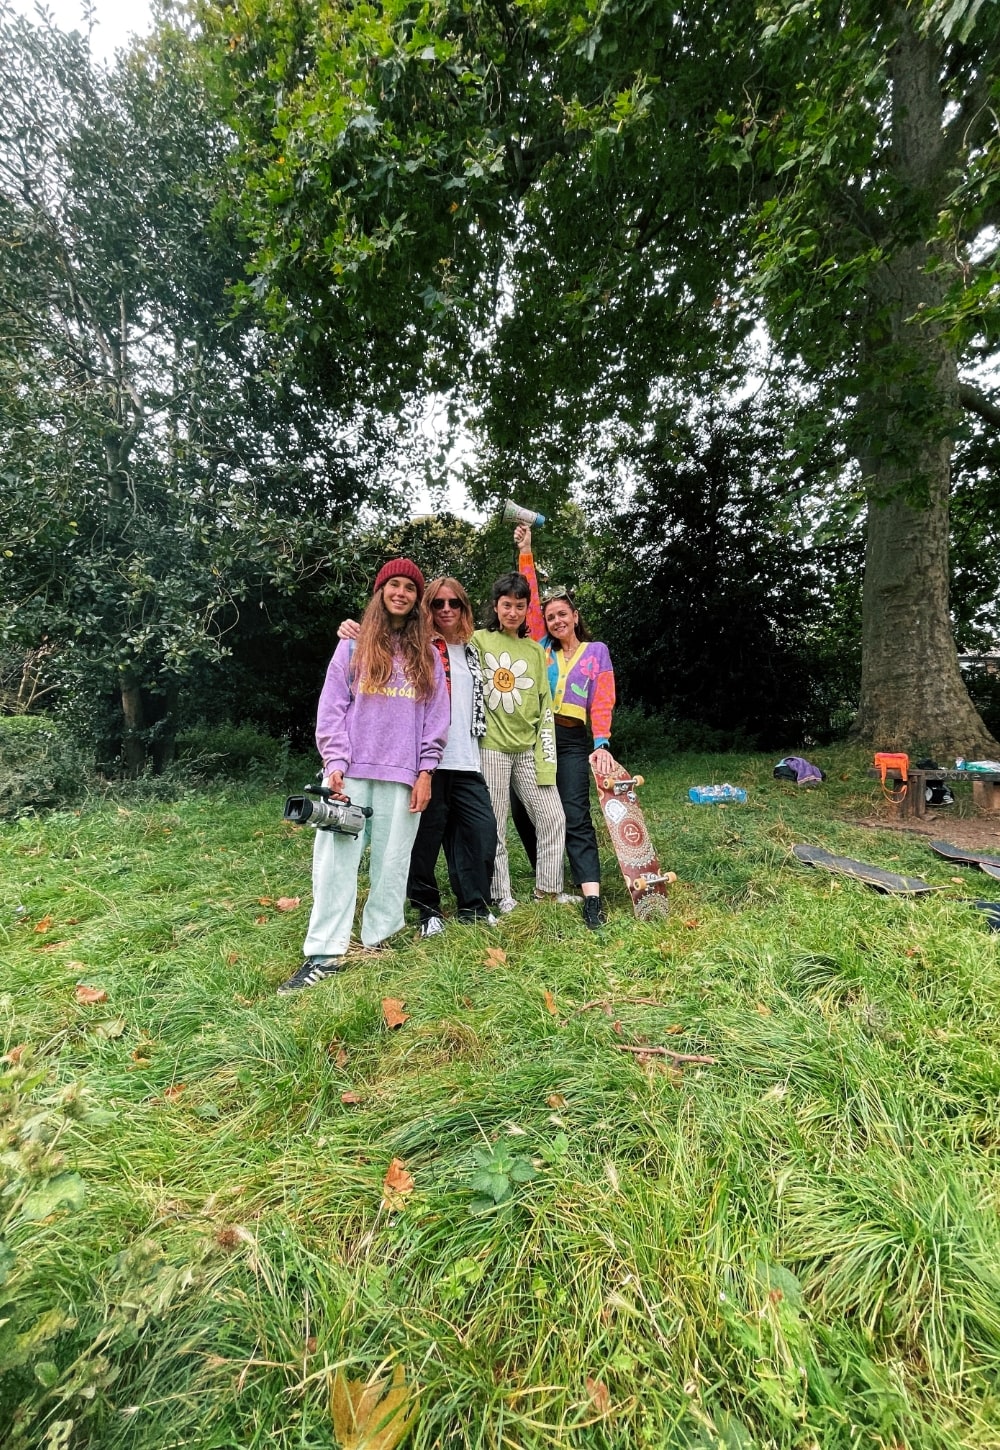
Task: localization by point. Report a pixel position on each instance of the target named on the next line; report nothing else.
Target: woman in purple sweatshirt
(381, 729)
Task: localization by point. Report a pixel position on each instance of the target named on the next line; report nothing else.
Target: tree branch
(976, 402)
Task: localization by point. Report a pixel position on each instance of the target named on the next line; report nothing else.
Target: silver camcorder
(326, 812)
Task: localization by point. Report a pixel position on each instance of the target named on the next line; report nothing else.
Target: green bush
(638, 736)
(230, 750)
(41, 765)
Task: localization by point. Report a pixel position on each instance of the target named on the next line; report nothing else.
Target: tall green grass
(794, 1246)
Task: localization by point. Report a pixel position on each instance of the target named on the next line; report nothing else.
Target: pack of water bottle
(717, 795)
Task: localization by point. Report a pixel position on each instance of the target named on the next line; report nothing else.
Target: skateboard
(989, 864)
(886, 881)
(647, 884)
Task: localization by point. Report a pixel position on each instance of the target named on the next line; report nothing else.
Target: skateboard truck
(623, 787)
(646, 883)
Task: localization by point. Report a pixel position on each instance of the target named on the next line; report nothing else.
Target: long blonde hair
(434, 588)
(379, 644)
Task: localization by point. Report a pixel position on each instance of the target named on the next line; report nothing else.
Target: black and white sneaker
(433, 926)
(312, 970)
(593, 912)
(477, 918)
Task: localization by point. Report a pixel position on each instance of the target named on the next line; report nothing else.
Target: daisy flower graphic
(506, 681)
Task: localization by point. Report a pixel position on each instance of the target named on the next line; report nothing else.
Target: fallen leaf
(311, 1344)
(90, 996)
(396, 1184)
(232, 958)
(287, 903)
(260, 920)
(338, 1052)
(495, 957)
(392, 1012)
(53, 946)
(350, 1097)
(44, 924)
(373, 1414)
(958, 880)
(173, 1092)
(599, 1395)
(550, 1004)
(265, 900)
(692, 923)
(764, 1009)
(15, 1054)
(556, 1100)
(112, 1028)
(616, 1027)
(674, 1030)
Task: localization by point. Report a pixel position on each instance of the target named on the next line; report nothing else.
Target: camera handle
(327, 794)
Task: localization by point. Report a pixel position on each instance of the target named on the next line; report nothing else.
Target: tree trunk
(133, 739)
(913, 696)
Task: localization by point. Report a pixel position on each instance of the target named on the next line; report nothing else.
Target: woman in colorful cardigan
(582, 682)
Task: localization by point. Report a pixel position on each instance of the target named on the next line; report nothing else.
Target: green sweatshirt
(518, 700)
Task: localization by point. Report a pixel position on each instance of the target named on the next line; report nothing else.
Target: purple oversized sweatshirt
(385, 734)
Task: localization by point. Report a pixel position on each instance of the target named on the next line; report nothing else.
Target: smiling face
(399, 597)
(561, 620)
(450, 612)
(511, 613)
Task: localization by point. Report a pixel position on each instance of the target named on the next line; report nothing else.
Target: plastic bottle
(960, 763)
(714, 795)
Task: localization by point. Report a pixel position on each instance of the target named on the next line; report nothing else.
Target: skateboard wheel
(608, 782)
(639, 780)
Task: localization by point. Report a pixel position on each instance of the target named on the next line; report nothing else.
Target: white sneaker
(433, 926)
(507, 905)
(561, 898)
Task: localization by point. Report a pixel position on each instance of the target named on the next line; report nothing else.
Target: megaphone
(514, 514)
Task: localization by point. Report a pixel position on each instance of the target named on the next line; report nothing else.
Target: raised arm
(526, 566)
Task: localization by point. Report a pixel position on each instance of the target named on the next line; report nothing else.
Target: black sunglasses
(440, 603)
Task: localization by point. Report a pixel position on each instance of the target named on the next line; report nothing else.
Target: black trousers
(460, 818)
(573, 784)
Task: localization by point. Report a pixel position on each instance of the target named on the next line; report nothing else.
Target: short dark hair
(518, 588)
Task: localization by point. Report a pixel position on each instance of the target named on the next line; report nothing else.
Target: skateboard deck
(985, 862)
(647, 884)
(889, 882)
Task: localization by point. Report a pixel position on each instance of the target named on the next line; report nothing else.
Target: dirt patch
(972, 833)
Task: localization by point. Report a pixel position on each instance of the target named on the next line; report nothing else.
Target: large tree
(541, 193)
(873, 190)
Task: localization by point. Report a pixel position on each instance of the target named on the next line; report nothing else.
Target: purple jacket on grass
(386, 734)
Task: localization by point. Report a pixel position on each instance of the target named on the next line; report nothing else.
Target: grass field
(793, 1245)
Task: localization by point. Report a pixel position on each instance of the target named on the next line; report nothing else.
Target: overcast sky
(114, 21)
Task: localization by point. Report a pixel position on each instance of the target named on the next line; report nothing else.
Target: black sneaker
(593, 912)
(312, 970)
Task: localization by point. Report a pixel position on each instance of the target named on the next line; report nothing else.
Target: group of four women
(437, 727)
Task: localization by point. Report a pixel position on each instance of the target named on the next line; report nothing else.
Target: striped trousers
(503, 771)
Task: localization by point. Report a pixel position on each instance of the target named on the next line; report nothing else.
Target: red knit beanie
(400, 569)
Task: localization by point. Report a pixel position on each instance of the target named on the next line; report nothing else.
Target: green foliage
(498, 1172)
(728, 615)
(232, 750)
(41, 765)
(165, 470)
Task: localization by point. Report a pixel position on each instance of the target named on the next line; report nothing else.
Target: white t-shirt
(462, 749)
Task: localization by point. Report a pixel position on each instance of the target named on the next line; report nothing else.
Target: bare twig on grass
(675, 1057)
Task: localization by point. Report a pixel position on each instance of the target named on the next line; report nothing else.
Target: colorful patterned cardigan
(588, 692)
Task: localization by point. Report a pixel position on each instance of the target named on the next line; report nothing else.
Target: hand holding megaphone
(514, 514)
